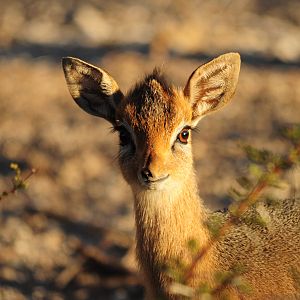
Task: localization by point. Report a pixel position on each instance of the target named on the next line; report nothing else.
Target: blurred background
(70, 235)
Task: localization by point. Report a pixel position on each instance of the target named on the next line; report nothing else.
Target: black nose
(146, 174)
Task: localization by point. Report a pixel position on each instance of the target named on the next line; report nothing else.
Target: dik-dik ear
(212, 85)
(93, 89)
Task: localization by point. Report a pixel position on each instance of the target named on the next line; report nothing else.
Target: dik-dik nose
(147, 176)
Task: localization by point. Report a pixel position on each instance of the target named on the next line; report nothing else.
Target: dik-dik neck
(166, 221)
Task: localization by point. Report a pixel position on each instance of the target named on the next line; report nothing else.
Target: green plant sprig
(274, 166)
(18, 182)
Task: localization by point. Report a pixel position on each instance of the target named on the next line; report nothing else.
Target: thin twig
(251, 199)
(16, 187)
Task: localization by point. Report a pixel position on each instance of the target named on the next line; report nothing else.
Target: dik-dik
(154, 121)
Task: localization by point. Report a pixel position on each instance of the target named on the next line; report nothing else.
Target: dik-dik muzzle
(153, 171)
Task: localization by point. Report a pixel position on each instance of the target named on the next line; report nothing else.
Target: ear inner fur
(212, 85)
(92, 88)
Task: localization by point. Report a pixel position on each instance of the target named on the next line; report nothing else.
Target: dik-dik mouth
(154, 183)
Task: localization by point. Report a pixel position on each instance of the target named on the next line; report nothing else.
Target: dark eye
(183, 136)
(124, 136)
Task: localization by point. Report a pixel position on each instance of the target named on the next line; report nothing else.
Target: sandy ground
(68, 235)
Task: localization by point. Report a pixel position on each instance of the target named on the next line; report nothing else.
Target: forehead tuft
(153, 85)
(152, 102)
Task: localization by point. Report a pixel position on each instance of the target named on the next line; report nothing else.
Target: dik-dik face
(154, 122)
(154, 119)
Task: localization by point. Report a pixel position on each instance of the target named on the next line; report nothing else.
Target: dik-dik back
(270, 255)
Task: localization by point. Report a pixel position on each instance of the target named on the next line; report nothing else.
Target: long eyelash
(116, 157)
(195, 129)
(119, 155)
(115, 129)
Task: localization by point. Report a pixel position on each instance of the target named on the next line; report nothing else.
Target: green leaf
(214, 224)
(193, 246)
(235, 194)
(255, 219)
(255, 170)
(203, 288)
(182, 290)
(258, 156)
(242, 286)
(271, 201)
(244, 182)
(294, 156)
(14, 166)
(291, 132)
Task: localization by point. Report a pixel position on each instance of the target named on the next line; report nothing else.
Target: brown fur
(168, 210)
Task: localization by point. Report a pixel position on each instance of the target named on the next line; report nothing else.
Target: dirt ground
(70, 235)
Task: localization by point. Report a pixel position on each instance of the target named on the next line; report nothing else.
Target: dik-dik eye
(125, 137)
(183, 136)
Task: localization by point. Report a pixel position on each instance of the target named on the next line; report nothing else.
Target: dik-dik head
(154, 119)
